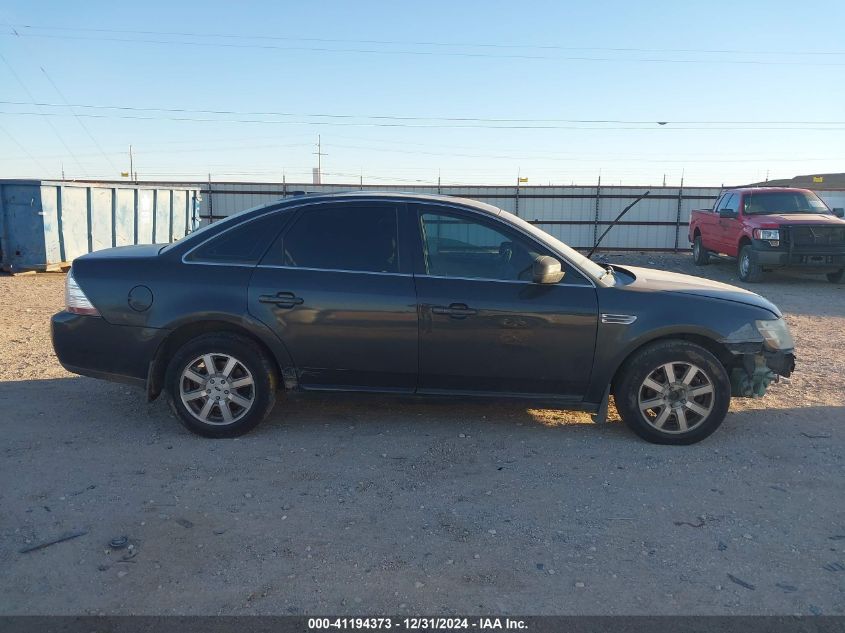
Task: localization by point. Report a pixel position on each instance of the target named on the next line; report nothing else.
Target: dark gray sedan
(412, 294)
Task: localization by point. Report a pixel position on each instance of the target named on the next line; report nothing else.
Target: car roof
(768, 189)
(389, 195)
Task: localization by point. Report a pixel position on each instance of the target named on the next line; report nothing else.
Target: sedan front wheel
(673, 392)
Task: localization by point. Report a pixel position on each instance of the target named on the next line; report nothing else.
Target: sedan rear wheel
(217, 388)
(673, 392)
(221, 385)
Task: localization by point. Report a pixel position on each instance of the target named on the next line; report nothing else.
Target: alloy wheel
(217, 389)
(676, 397)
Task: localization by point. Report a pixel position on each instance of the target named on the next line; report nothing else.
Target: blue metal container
(48, 223)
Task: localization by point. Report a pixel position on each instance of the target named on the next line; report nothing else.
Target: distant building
(811, 181)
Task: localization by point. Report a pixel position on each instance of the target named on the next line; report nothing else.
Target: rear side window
(243, 244)
(355, 237)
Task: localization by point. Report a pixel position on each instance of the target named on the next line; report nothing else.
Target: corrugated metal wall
(575, 215)
(43, 223)
(54, 221)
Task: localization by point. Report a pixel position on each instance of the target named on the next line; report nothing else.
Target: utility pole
(210, 202)
(63, 170)
(598, 208)
(318, 175)
(132, 175)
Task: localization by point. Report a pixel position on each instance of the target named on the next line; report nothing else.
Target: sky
(465, 92)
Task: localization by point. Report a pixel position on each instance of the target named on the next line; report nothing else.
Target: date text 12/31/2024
(417, 623)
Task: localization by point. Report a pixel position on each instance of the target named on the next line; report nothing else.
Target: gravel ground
(367, 505)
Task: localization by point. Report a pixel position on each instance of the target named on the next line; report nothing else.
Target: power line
(44, 114)
(62, 96)
(78, 119)
(372, 51)
(581, 158)
(640, 127)
(496, 45)
(385, 117)
(23, 149)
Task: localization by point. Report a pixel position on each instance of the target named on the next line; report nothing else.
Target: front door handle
(455, 310)
(282, 299)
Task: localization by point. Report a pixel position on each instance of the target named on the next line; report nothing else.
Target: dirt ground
(368, 505)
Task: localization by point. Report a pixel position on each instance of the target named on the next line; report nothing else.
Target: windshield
(770, 202)
(587, 265)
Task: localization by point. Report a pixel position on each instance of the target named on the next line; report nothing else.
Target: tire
(240, 399)
(700, 255)
(747, 266)
(837, 276)
(700, 412)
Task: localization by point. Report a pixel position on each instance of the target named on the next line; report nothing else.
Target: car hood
(651, 280)
(797, 218)
(120, 252)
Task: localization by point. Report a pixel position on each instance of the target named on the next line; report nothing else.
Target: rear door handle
(455, 310)
(282, 299)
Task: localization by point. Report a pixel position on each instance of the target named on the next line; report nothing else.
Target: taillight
(75, 299)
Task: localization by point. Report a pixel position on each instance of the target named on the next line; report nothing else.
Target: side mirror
(727, 213)
(547, 270)
(839, 212)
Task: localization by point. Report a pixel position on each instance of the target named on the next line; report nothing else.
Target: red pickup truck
(771, 227)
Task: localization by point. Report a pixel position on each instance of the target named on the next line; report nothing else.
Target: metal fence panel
(44, 223)
(575, 215)
(101, 218)
(124, 220)
(74, 224)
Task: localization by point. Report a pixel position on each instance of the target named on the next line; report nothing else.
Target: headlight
(767, 234)
(775, 334)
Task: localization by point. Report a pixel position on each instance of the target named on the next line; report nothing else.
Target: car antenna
(612, 224)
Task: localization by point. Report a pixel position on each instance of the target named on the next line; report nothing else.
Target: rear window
(770, 202)
(352, 237)
(244, 244)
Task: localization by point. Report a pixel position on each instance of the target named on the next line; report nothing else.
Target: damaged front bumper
(762, 352)
(758, 368)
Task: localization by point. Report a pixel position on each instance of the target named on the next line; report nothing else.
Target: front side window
(457, 246)
(360, 237)
(242, 244)
(769, 202)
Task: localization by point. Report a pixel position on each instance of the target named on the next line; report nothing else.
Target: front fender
(661, 315)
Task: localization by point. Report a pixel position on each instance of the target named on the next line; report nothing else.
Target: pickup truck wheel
(673, 392)
(700, 255)
(220, 385)
(836, 277)
(749, 269)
